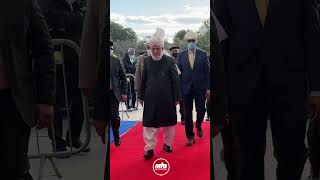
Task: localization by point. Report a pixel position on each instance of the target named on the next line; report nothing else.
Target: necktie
(262, 6)
(191, 58)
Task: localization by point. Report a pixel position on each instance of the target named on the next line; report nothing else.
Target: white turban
(157, 38)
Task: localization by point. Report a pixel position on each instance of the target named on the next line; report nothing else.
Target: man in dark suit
(273, 70)
(194, 66)
(27, 82)
(118, 92)
(129, 64)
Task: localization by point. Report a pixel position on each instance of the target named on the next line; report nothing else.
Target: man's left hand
(314, 107)
(44, 115)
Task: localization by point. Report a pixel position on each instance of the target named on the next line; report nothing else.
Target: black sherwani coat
(160, 89)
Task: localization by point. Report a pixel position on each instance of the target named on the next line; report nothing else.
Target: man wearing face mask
(195, 84)
(129, 64)
(160, 92)
(174, 52)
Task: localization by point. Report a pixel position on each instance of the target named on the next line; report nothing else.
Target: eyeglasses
(156, 49)
(191, 40)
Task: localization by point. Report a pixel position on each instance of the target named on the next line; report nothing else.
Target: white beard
(157, 58)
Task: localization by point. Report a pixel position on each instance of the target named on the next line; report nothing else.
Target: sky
(144, 16)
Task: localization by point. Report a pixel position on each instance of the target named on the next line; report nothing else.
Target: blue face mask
(191, 45)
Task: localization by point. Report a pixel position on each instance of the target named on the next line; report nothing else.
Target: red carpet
(187, 163)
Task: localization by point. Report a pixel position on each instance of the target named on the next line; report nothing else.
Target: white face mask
(131, 58)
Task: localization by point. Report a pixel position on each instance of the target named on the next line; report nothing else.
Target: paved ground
(85, 166)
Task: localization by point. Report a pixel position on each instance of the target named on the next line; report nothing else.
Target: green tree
(119, 33)
(123, 38)
(141, 48)
(180, 34)
(203, 41)
(129, 34)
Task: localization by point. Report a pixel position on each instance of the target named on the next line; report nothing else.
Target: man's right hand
(88, 92)
(101, 127)
(45, 115)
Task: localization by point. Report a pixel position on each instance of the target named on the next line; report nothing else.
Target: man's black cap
(174, 47)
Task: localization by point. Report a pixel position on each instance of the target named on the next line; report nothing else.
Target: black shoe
(183, 122)
(26, 176)
(60, 144)
(117, 141)
(199, 131)
(167, 148)
(190, 141)
(148, 154)
(59, 149)
(77, 144)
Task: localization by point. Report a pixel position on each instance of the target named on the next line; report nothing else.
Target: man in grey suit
(27, 83)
